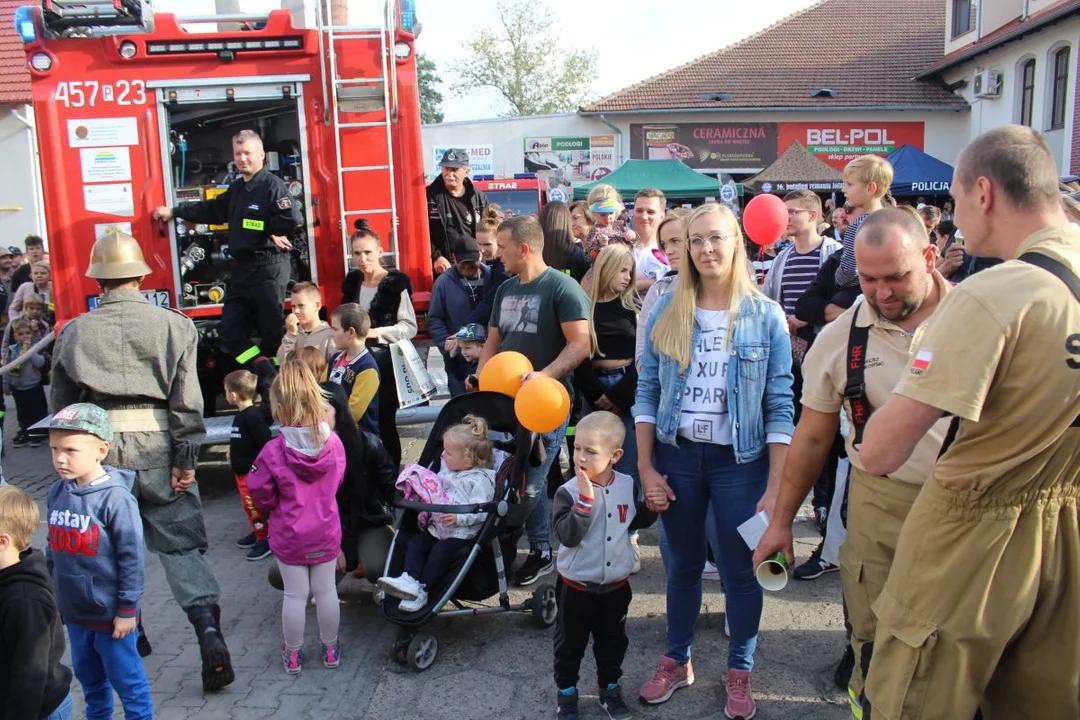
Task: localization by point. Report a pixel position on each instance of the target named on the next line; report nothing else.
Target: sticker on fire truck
(103, 229)
(107, 164)
(110, 199)
(91, 93)
(161, 298)
(102, 132)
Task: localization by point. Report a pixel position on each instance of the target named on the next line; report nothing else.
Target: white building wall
(22, 211)
(507, 137)
(988, 113)
(945, 131)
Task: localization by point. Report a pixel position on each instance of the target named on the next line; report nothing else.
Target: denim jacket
(759, 379)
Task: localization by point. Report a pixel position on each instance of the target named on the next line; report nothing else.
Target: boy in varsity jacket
(593, 516)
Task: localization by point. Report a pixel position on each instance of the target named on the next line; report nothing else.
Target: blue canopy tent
(916, 173)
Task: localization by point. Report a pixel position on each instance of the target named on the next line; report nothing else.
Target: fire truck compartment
(200, 166)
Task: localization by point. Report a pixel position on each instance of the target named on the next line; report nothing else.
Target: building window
(963, 17)
(1060, 89)
(1027, 91)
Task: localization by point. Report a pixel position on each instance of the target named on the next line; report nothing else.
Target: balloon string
(761, 260)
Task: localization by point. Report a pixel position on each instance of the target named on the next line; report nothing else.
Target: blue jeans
(705, 477)
(627, 464)
(538, 525)
(64, 710)
(710, 538)
(102, 664)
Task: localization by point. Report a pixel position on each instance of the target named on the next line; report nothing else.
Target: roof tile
(14, 75)
(869, 53)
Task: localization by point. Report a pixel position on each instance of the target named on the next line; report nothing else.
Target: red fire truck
(137, 109)
(520, 195)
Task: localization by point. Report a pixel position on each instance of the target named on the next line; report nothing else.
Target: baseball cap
(467, 253)
(5, 251)
(15, 250)
(83, 417)
(471, 332)
(607, 205)
(455, 158)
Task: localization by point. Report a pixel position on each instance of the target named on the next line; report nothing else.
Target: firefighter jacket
(129, 354)
(254, 210)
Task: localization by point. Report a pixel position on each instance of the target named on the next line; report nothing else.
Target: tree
(427, 78)
(524, 61)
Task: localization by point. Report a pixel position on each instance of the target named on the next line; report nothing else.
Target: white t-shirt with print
(704, 411)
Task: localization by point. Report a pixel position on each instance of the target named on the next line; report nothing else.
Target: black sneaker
(247, 542)
(259, 550)
(21, 439)
(36, 440)
(534, 568)
(815, 567)
(568, 705)
(842, 676)
(612, 702)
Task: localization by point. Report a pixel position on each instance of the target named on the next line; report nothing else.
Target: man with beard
(982, 608)
(858, 359)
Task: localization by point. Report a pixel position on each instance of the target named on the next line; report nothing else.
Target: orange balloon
(542, 405)
(503, 372)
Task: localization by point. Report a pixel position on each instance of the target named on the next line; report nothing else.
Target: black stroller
(480, 571)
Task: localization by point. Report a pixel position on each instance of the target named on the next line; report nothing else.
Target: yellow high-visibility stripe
(856, 706)
(248, 354)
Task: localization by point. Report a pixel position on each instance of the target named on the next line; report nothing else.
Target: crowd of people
(873, 359)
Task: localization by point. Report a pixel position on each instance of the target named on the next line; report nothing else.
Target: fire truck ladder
(96, 18)
(362, 94)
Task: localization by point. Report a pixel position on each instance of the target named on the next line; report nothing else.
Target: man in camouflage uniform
(138, 362)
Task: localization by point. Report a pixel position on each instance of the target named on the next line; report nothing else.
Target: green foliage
(427, 78)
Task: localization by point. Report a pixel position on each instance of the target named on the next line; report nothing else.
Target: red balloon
(765, 219)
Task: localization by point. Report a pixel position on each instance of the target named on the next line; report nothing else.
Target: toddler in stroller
(467, 477)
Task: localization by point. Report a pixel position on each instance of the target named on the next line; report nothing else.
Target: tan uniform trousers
(982, 608)
(877, 507)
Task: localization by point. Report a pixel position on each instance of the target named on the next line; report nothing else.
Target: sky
(635, 39)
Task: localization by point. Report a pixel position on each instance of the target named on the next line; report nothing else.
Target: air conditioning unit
(987, 83)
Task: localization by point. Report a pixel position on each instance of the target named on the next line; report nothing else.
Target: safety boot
(217, 671)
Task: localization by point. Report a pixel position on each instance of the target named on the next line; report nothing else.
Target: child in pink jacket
(295, 480)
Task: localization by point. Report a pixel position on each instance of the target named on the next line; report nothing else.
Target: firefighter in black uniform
(261, 216)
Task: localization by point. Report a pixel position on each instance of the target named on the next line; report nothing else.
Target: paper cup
(772, 573)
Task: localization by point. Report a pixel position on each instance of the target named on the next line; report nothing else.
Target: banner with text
(481, 158)
(707, 146)
(838, 143)
(561, 161)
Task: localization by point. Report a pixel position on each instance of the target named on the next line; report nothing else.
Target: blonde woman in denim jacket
(714, 416)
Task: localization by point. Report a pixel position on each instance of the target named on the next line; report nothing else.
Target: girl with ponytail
(295, 480)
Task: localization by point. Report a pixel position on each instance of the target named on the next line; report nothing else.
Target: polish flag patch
(922, 362)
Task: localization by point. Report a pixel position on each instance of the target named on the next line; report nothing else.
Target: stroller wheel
(422, 651)
(544, 607)
(399, 651)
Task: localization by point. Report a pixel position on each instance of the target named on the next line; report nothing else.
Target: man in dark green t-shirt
(544, 315)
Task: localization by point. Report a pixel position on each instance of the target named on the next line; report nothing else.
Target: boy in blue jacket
(95, 557)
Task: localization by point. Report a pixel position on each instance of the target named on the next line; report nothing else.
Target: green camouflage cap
(83, 417)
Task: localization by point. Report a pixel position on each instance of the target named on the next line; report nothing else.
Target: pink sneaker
(669, 677)
(740, 701)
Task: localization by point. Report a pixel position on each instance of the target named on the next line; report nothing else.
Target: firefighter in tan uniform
(138, 362)
(982, 607)
(854, 365)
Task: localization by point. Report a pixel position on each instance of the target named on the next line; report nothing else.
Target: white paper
(107, 164)
(102, 132)
(110, 199)
(103, 229)
(754, 528)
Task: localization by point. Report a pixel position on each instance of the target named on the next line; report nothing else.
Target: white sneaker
(415, 604)
(710, 572)
(637, 556)
(404, 587)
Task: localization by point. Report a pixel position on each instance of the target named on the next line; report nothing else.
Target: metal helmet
(117, 256)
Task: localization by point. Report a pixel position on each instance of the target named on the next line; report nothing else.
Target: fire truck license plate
(161, 298)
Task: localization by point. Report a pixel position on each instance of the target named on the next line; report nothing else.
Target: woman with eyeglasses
(714, 416)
